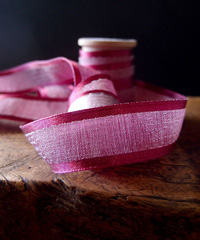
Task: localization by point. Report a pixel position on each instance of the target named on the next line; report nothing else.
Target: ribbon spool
(109, 56)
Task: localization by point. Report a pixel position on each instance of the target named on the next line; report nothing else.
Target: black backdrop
(168, 34)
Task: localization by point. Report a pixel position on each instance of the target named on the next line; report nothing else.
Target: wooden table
(159, 199)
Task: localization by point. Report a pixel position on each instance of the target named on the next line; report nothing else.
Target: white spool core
(90, 44)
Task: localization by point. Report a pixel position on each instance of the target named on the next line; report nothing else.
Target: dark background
(168, 34)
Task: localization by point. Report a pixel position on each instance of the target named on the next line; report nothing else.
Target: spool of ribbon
(110, 56)
(143, 126)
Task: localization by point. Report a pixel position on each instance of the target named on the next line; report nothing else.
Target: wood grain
(159, 199)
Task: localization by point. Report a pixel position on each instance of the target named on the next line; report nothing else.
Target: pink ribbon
(118, 64)
(143, 126)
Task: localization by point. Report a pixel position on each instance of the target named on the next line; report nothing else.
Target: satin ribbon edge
(122, 108)
(110, 161)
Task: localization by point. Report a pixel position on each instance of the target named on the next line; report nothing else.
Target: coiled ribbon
(143, 126)
(118, 64)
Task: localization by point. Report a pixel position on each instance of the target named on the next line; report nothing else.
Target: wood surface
(159, 199)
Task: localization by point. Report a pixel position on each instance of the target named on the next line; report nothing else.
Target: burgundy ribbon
(143, 126)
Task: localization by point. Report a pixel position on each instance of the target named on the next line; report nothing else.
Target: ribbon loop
(144, 125)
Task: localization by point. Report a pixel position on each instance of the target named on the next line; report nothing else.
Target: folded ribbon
(93, 93)
(143, 126)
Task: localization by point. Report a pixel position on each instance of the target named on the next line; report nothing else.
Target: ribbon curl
(143, 126)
